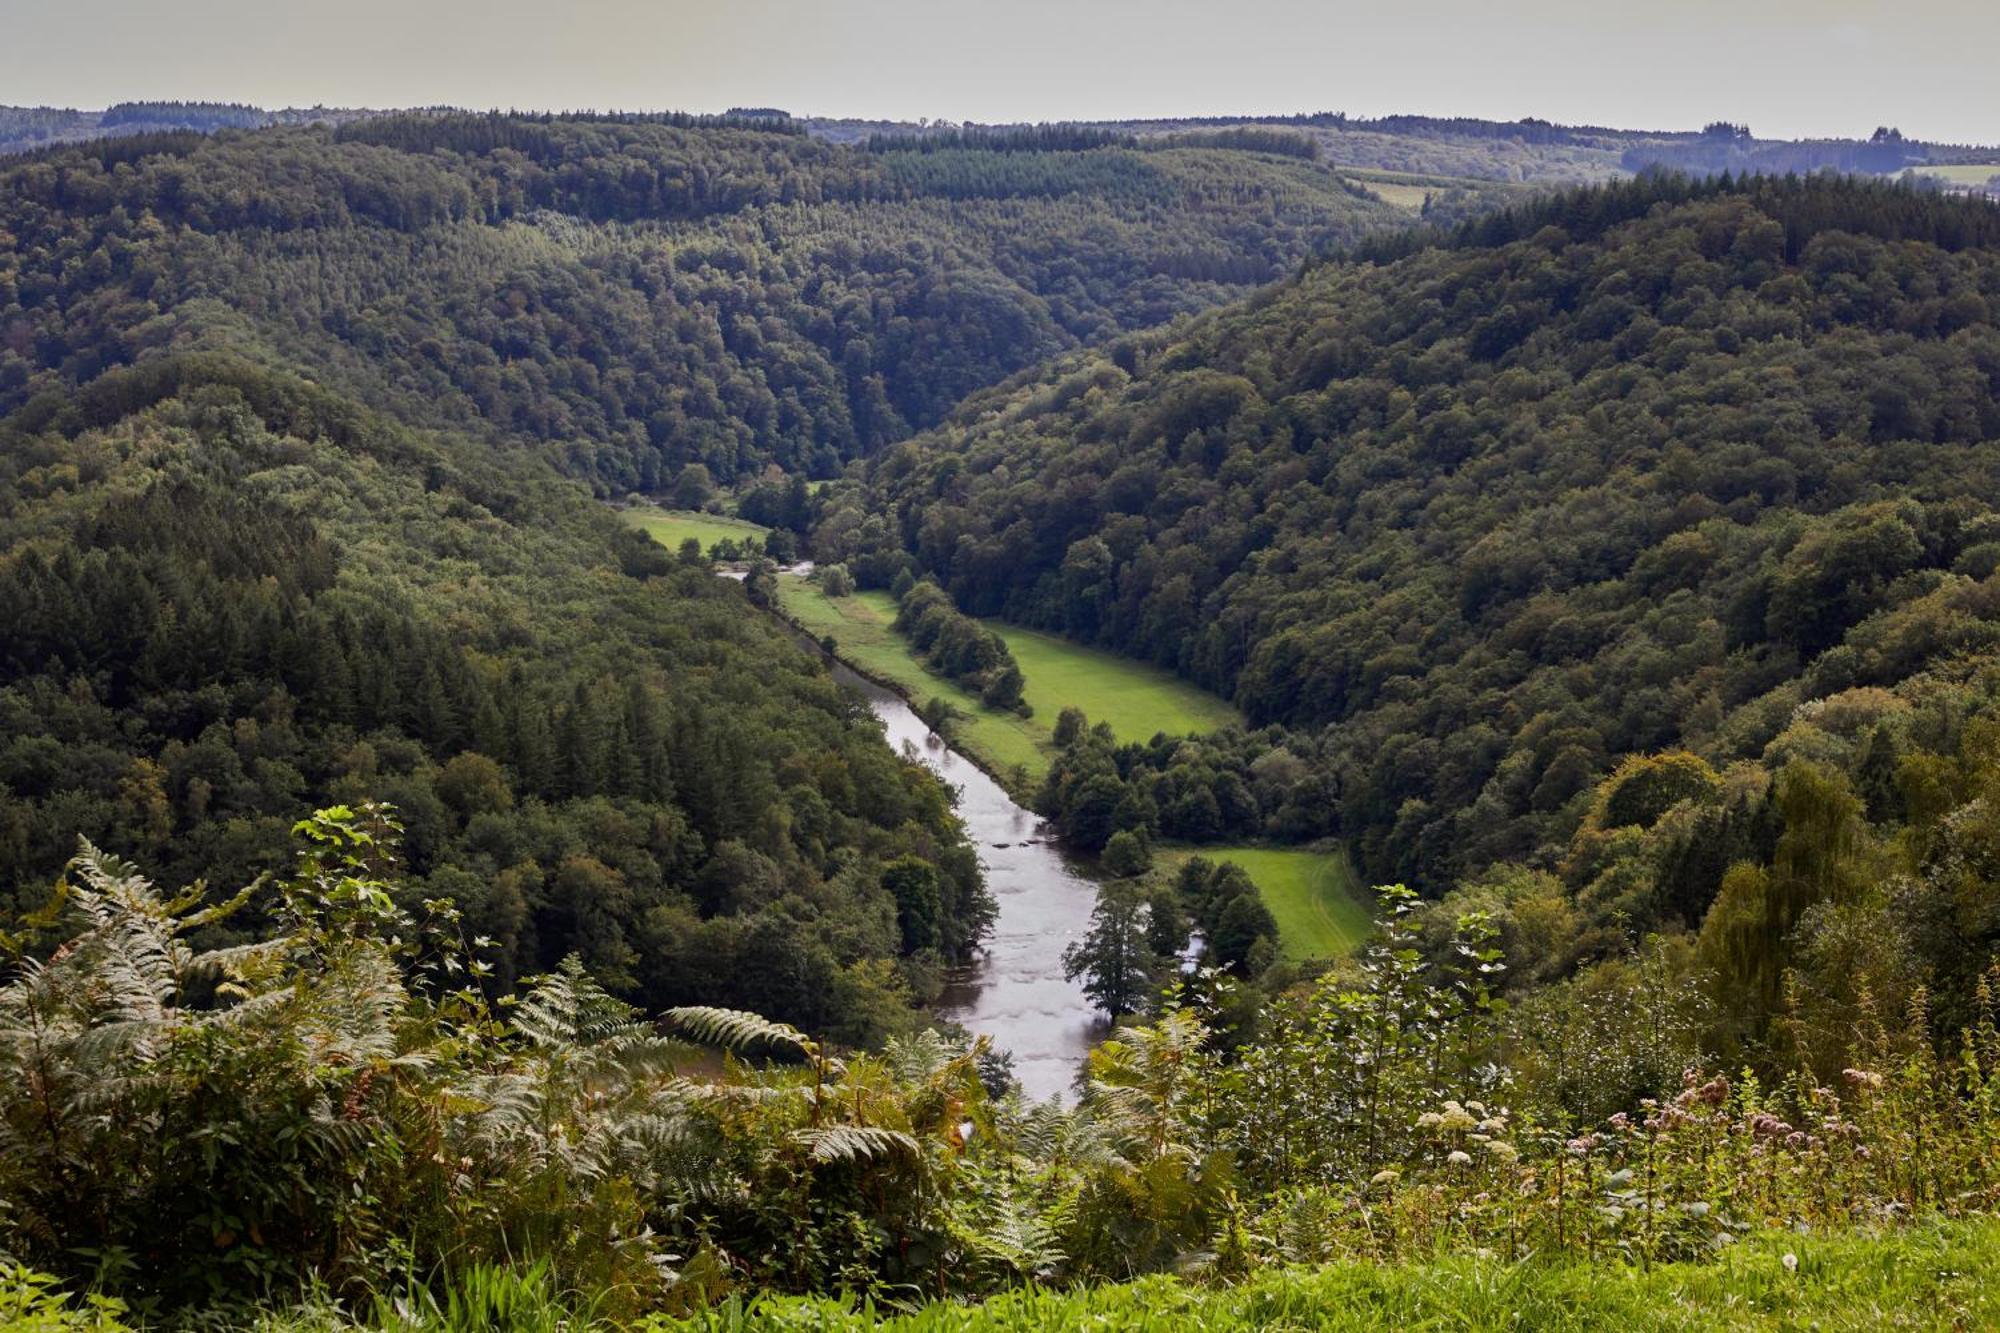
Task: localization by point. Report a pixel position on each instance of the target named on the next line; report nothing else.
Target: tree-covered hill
(1628, 469)
(230, 595)
(636, 292)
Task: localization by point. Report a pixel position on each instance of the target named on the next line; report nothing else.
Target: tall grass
(1927, 1278)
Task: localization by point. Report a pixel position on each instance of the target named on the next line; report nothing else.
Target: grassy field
(671, 527)
(1320, 910)
(862, 627)
(1410, 197)
(1933, 1277)
(1137, 700)
(1962, 173)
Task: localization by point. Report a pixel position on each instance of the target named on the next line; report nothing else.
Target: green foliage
(34, 1302)
(1127, 854)
(957, 647)
(1595, 478)
(236, 592)
(1112, 959)
(638, 293)
(329, 1116)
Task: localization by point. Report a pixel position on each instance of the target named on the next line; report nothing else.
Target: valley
(654, 719)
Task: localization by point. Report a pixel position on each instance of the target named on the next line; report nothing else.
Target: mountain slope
(638, 292)
(232, 596)
(1633, 468)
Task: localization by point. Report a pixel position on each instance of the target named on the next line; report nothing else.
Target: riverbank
(1137, 700)
(1016, 993)
(1010, 749)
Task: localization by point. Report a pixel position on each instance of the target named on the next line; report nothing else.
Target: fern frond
(855, 1143)
(739, 1031)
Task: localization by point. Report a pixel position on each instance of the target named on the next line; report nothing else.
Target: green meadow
(1936, 1277)
(1137, 700)
(1321, 911)
(1406, 190)
(1963, 173)
(671, 527)
(864, 635)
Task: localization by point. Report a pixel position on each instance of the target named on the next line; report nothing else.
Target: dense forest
(1634, 468)
(636, 293)
(230, 594)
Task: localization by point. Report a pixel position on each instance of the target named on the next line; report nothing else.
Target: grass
(1136, 699)
(1962, 173)
(1408, 197)
(862, 627)
(1934, 1277)
(671, 527)
(1321, 912)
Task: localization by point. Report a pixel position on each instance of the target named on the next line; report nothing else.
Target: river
(1015, 992)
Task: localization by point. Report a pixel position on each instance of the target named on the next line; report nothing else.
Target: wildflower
(1862, 1078)
(1385, 1177)
(1456, 1120)
(1430, 1120)
(1458, 1158)
(1506, 1152)
(1790, 1261)
(1764, 1125)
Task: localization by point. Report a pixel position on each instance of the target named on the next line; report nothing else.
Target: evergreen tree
(1112, 961)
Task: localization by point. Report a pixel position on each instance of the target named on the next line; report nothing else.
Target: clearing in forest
(1320, 909)
(671, 527)
(1138, 700)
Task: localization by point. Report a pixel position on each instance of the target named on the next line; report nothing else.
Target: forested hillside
(427, 903)
(636, 293)
(1637, 468)
(231, 596)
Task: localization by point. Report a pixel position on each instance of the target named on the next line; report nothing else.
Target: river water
(1016, 992)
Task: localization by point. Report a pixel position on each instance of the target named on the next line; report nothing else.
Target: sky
(1788, 68)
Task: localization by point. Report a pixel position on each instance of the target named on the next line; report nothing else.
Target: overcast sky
(1788, 67)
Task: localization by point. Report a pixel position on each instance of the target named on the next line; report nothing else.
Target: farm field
(1137, 699)
(671, 527)
(1320, 910)
(1411, 197)
(1963, 173)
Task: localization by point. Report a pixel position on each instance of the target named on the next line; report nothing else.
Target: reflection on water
(1016, 993)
